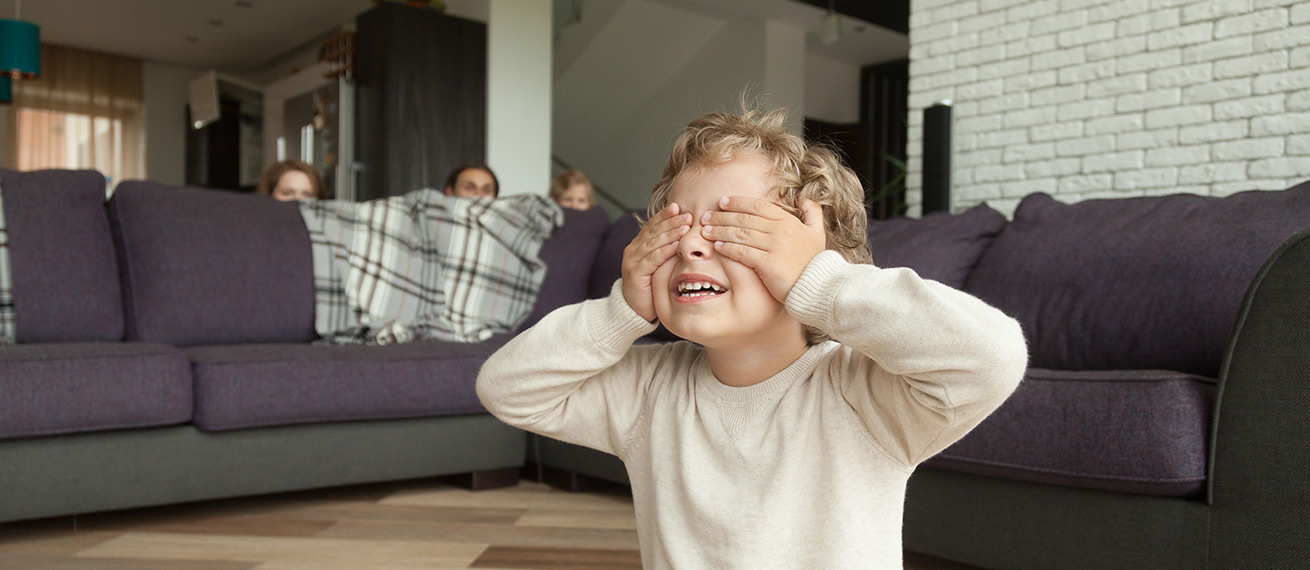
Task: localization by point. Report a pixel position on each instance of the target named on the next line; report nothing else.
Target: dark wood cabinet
(421, 98)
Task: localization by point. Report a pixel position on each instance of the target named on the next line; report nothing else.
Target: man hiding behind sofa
(472, 180)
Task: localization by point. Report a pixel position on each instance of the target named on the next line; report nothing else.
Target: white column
(519, 94)
(784, 71)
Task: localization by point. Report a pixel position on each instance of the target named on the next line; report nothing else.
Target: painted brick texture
(1113, 98)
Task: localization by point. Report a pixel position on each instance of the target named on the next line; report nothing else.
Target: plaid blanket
(8, 327)
(426, 266)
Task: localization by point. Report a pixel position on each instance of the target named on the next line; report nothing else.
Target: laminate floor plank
(55, 542)
(617, 520)
(228, 525)
(508, 535)
(525, 495)
(559, 558)
(324, 552)
(40, 562)
(292, 565)
(363, 511)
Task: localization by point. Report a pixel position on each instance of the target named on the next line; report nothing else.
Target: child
(572, 189)
(767, 446)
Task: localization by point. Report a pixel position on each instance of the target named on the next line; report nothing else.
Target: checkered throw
(8, 327)
(426, 266)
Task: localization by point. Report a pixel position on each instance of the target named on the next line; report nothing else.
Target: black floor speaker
(937, 158)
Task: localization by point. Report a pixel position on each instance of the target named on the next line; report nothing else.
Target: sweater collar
(797, 370)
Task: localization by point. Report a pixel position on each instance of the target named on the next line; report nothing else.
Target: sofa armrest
(1259, 483)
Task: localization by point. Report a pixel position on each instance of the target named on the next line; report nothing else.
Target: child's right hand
(656, 243)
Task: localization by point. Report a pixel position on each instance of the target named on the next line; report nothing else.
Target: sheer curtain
(85, 111)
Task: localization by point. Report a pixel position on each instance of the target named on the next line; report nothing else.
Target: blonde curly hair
(800, 172)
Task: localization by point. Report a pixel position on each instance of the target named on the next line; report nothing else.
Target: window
(68, 140)
(85, 111)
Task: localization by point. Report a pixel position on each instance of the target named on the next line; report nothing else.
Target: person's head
(572, 189)
(291, 180)
(472, 180)
(751, 154)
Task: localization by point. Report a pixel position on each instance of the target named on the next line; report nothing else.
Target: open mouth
(693, 288)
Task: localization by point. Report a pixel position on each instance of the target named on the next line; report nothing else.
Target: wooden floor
(397, 526)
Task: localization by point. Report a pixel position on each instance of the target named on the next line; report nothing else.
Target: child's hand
(656, 243)
(766, 238)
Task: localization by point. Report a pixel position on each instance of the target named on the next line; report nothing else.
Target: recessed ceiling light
(217, 23)
(190, 39)
(244, 3)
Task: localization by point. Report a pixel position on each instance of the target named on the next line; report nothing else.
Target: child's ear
(813, 215)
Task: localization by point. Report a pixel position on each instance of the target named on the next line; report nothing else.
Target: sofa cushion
(62, 254)
(938, 246)
(212, 267)
(1133, 431)
(56, 388)
(241, 386)
(569, 255)
(1136, 283)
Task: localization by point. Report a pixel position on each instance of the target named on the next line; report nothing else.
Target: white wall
(784, 71)
(686, 65)
(631, 161)
(832, 90)
(519, 94)
(165, 92)
(1113, 98)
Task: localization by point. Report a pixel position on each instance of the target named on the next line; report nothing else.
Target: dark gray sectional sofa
(1163, 422)
(165, 356)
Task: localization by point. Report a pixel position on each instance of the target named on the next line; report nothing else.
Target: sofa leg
(534, 472)
(571, 480)
(483, 480)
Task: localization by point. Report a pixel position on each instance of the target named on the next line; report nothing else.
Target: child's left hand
(763, 236)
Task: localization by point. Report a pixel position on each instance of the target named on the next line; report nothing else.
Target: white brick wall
(1101, 98)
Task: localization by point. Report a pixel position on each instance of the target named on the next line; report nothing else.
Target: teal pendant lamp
(20, 54)
(20, 47)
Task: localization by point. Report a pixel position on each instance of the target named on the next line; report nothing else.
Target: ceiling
(220, 34)
(860, 43)
(242, 35)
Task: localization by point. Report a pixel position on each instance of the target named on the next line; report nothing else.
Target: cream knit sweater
(805, 470)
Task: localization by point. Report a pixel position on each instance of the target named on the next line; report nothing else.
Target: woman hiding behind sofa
(292, 180)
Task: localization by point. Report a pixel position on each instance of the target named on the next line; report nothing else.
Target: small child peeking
(784, 436)
(572, 189)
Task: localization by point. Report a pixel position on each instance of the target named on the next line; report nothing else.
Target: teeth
(698, 288)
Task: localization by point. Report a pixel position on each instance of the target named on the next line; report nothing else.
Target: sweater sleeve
(923, 363)
(574, 376)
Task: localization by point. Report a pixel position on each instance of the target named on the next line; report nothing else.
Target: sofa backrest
(609, 262)
(569, 255)
(204, 266)
(938, 246)
(609, 259)
(1134, 283)
(62, 257)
